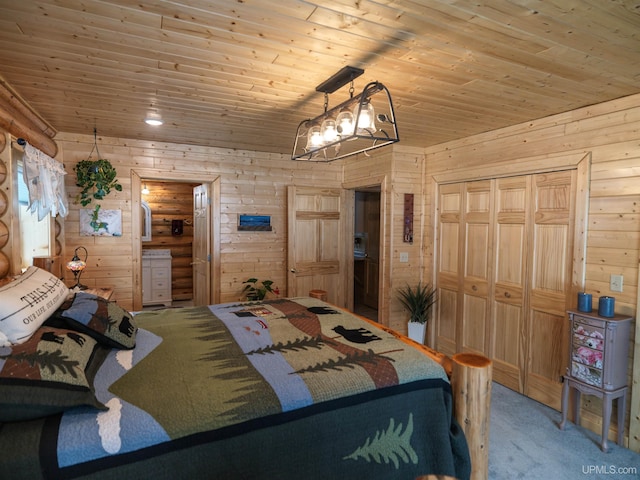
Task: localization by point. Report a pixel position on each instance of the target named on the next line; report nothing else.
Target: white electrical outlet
(404, 257)
(615, 283)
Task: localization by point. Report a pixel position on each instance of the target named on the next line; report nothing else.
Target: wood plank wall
(171, 201)
(610, 133)
(251, 183)
(398, 171)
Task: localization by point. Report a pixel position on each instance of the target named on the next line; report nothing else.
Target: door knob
(293, 270)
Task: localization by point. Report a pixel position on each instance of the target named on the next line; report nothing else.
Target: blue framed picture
(254, 223)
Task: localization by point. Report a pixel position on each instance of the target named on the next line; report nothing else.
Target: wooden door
(550, 266)
(504, 276)
(316, 243)
(372, 258)
(201, 246)
(508, 345)
(477, 266)
(446, 318)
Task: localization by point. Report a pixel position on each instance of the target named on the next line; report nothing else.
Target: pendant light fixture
(349, 128)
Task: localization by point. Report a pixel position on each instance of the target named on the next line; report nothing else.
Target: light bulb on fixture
(329, 132)
(145, 190)
(345, 122)
(366, 118)
(314, 137)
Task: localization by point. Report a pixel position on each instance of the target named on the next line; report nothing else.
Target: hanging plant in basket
(97, 178)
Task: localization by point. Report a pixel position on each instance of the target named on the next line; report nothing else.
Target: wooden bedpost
(471, 385)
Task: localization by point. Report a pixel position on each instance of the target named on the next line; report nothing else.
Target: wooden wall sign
(407, 237)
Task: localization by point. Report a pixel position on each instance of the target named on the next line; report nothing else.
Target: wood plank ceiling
(242, 74)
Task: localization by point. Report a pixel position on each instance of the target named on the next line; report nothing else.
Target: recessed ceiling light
(153, 121)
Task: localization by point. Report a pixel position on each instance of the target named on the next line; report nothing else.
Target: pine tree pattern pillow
(105, 321)
(49, 373)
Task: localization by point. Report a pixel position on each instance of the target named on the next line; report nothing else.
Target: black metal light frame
(357, 142)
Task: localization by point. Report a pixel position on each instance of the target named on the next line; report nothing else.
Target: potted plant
(254, 292)
(418, 302)
(97, 178)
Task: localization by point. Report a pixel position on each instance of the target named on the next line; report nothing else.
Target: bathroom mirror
(146, 221)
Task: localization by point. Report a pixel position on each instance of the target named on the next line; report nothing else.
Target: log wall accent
(609, 132)
(5, 206)
(173, 201)
(20, 120)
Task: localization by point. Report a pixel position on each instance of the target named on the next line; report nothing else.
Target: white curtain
(44, 177)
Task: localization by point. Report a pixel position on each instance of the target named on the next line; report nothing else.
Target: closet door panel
(507, 323)
(478, 254)
(552, 244)
(507, 347)
(447, 316)
(447, 308)
(475, 323)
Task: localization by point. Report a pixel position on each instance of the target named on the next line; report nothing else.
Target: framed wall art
(100, 223)
(254, 223)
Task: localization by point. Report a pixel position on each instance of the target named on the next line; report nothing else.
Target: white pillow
(27, 302)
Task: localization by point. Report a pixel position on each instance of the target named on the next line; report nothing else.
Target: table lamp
(77, 266)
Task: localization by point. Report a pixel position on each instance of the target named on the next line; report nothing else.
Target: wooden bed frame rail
(470, 375)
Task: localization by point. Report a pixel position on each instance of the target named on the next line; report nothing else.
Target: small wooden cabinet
(598, 361)
(156, 277)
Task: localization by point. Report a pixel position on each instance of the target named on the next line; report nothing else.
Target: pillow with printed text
(27, 302)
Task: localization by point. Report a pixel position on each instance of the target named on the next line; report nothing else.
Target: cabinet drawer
(589, 322)
(588, 335)
(160, 284)
(586, 374)
(587, 356)
(160, 272)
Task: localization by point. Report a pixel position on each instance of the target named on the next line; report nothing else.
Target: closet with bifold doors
(504, 266)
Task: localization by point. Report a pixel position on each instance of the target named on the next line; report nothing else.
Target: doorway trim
(384, 273)
(136, 235)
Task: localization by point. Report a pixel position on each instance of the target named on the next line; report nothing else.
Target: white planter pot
(417, 331)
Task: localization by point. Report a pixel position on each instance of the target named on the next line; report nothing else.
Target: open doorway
(366, 252)
(167, 243)
(143, 177)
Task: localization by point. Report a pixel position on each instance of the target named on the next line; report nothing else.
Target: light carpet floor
(526, 443)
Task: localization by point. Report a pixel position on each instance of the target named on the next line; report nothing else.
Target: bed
(283, 388)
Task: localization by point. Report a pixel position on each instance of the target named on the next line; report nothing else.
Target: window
(34, 236)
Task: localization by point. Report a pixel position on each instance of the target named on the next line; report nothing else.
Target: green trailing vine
(390, 445)
(96, 178)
